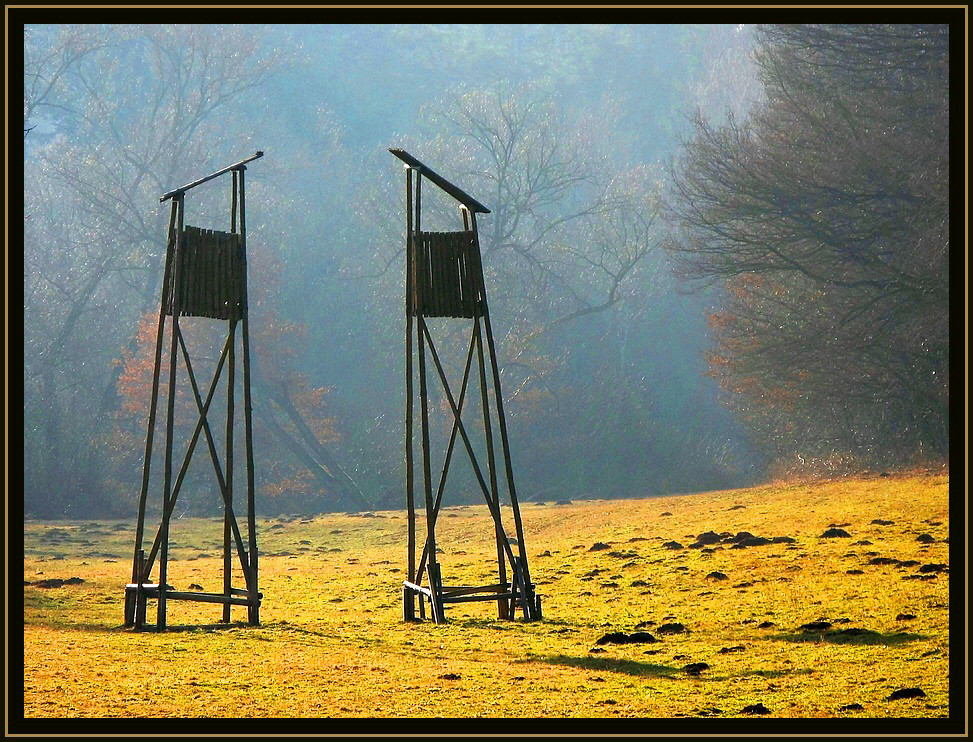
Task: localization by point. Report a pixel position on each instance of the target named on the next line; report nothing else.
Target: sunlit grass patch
(332, 642)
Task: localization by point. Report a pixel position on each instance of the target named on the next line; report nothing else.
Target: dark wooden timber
(408, 605)
(426, 172)
(205, 276)
(170, 417)
(228, 498)
(137, 576)
(189, 186)
(253, 612)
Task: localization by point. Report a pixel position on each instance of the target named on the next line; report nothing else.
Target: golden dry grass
(332, 642)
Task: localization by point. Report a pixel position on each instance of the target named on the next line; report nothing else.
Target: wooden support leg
(129, 608)
(408, 605)
(228, 477)
(436, 586)
(138, 598)
(153, 405)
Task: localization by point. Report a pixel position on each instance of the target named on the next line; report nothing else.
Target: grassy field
(332, 642)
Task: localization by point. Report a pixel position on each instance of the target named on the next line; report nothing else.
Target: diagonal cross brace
(494, 508)
(449, 454)
(201, 425)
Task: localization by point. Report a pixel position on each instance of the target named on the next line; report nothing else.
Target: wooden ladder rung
(238, 596)
(452, 591)
(472, 598)
(210, 598)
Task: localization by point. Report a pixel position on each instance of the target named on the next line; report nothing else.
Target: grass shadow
(860, 637)
(148, 628)
(771, 674)
(503, 624)
(608, 664)
(185, 628)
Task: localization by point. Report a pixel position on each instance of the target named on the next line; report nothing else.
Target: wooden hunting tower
(444, 278)
(205, 276)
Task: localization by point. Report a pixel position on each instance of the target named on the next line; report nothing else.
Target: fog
(565, 132)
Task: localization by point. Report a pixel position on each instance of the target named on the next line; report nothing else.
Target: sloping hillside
(780, 601)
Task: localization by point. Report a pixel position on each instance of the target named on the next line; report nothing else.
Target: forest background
(715, 253)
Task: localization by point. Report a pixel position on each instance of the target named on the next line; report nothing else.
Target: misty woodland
(715, 252)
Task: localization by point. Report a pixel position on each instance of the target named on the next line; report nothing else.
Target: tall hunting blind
(205, 276)
(444, 278)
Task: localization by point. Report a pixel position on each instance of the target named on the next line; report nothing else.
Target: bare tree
(135, 108)
(824, 215)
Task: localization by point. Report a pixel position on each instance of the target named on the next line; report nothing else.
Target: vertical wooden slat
(217, 293)
(207, 301)
(233, 203)
(233, 271)
(229, 303)
(469, 282)
(186, 283)
(460, 293)
(457, 276)
(477, 280)
(229, 279)
(241, 294)
(197, 304)
(197, 275)
(229, 248)
(426, 296)
(465, 265)
(218, 307)
(434, 283)
(187, 275)
(449, 273)
(201, 287)
(418, 268)
(439, 280)
(442, 261)
(433, 309)
(189, 252)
